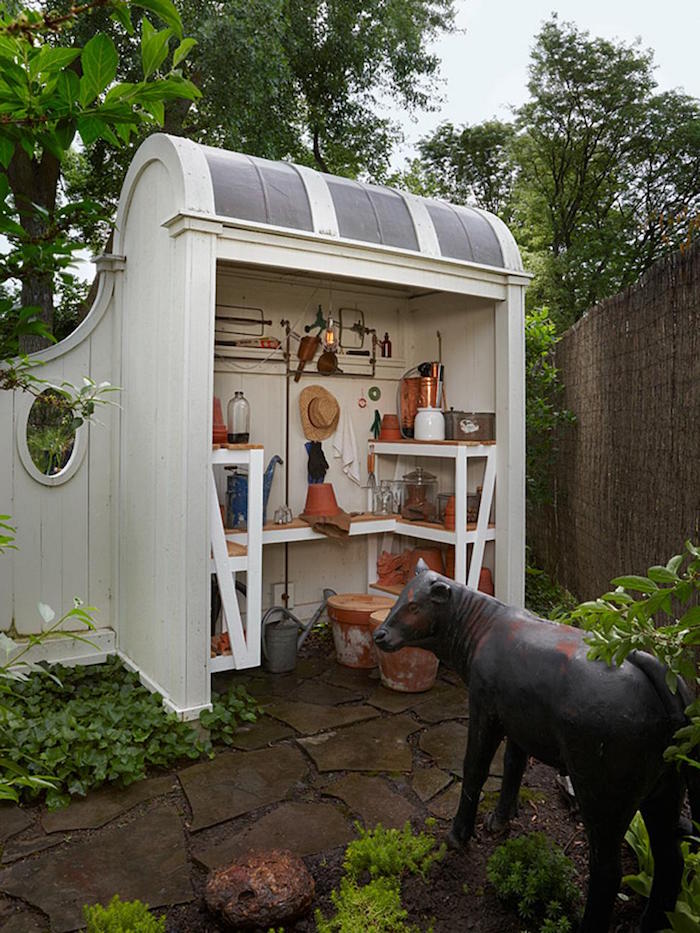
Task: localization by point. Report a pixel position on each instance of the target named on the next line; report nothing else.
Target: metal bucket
(279, 645)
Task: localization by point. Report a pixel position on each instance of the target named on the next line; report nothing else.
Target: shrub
(535, 878)
(227, 711)
(386, 855)
(122, 917)
(390, 853)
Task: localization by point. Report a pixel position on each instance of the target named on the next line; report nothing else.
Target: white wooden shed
(129, 524)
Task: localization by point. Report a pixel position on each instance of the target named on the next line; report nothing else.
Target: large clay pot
(352, 629)
(390, 429)
(320, 500)
(409, 670)
(432, 556)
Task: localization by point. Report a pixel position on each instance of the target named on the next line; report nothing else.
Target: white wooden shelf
(441, 449)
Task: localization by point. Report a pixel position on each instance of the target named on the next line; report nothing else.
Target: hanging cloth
(345, 447)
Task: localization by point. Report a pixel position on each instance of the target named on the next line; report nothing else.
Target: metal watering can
(284, 635)
(237, 494)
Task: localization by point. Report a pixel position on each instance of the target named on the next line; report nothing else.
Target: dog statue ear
(440, 592)
(421, 566)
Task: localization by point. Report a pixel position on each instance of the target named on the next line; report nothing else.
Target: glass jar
(238, 419)
(420, 496)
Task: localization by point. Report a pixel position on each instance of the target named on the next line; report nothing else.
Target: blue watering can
(237, 494)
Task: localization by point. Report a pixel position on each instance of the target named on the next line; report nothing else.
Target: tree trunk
(35, 182)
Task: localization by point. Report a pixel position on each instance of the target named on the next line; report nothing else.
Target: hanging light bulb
(329, 337)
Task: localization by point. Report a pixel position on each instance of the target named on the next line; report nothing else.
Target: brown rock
(261, 890)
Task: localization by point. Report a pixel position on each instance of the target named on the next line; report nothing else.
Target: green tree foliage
(52, 89)
(598, 174)
(296, 79)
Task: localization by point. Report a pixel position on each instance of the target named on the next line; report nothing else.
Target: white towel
(345, 447)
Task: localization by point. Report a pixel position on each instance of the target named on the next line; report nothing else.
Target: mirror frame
(74, 461)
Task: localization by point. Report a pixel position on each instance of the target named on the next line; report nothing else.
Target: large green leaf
(52, 59)
(633, 582)
(154, 47)
(7, 148)
(99, 60)
(164, 10)
(183, 50)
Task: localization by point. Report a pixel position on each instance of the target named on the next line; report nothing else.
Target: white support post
(510, 445)
(461, 515)
(254, 573)
(482, 521)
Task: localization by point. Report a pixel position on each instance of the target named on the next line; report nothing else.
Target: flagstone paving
(378, 745)
(145, 859)
(308, 718)
(105, 804)
(373, 800)
(301, 828)
(333, 746)
(238, 782)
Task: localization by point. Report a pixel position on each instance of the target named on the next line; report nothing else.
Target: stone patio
(333, 747)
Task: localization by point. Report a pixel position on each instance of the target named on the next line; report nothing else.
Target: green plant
(385, 855)
(122, 917)
(543, 413)
(637, 838)
(535, 878)
(227, 711)
(544, 596)
(626, 619)
(375, 906)
(686, 916)
(85, 726)
(391, 853)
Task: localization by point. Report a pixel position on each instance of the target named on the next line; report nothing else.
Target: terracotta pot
(431, 555)
(352, 630)
(219, 431)
(390, 430)
(409, 670)
(320, 500)
(485, 576)
(450, 514)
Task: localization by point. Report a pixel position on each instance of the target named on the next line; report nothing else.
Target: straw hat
(319, 412)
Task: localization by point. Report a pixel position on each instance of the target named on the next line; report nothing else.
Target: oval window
(51, 431)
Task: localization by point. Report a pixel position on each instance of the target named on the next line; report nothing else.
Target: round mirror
(51, 432)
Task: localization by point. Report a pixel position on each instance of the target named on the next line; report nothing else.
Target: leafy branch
(627, 619)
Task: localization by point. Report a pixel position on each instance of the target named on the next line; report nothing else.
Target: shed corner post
(195, 253)
(510, 447)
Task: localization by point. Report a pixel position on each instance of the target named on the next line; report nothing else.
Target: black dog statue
(530, 681)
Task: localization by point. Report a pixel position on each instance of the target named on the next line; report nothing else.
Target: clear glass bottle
(238, 419)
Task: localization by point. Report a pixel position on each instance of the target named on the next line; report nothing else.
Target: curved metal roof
(292, 196)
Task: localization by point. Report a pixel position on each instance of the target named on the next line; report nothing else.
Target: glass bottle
(238, 419)
(386, 346)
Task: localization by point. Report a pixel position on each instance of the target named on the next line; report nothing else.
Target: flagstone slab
(353, 678)
(145, 859)
(442, 704)
(391, 701)
(24, 922)
(308, 718)
(311, 667)
(445, 806)
(323, 694)
(373, 800)
(12, 821)
(103, 805)
(301, 828)
(238, 782)
(446, 744)
(21, 848)
(497, 763)
(260, 734)
(377, 745)
(427, 782)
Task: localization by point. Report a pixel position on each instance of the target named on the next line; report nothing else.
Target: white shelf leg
(482, 521)
(461, 515)
(254, 577)
(227, 589)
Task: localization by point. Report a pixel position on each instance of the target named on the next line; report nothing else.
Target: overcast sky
(485, 67)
